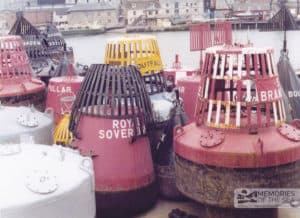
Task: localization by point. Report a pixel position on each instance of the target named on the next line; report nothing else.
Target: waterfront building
(183, 8)
(136, 12)
(92, 15)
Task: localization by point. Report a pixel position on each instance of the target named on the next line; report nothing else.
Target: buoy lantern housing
(141, 51)
(239, 138)
(109, 120)
(17, 86)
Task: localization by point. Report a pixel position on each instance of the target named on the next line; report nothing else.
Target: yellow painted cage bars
(139, 50)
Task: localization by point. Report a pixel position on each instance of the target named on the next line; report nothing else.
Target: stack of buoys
(239, 142)
(143, 52)
(109, 120)
(45, 181)
(17, 86)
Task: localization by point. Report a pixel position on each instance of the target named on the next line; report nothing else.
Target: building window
(167, 11)
(150, 12)
(134, 12)
(167, 5)
(156, 12)
(195, 10)
(187, 4)
(187, 10)
(133, 5)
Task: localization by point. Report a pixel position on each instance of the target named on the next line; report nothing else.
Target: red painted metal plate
(188, 91)
(239, 149)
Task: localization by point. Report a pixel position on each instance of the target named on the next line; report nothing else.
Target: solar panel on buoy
(17, 86)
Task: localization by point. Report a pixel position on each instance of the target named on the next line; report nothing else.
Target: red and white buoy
(109, 120)
(239, 139)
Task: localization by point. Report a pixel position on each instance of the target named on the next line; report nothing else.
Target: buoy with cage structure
(109, 121)
(20, 122)
(62, 135)
(50, 180)
(17, 86)
(239, 141)
(141, 51)
(176, 72)
(63, 88)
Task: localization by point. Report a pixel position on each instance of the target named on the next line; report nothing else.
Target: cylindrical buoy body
(109, 119)
(188, 91)
(124, 172)
(62, 92)
(48, 181)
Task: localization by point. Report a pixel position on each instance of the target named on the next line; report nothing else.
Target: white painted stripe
(210, 106)
(238, 114)
(240, 62)
(275, 112)
(218, 112)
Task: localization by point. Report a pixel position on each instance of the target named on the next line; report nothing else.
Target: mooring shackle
(86, 165)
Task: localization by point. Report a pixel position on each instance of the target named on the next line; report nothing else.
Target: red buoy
(239, 139)
(109, 119)
(176, 72)
(17, 86)
(188, 91)
(62, 90)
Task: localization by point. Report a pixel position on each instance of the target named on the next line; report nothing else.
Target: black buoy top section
(113, 92)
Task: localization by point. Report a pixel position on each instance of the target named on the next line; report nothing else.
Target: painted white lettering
(115, 124)
(101, 134)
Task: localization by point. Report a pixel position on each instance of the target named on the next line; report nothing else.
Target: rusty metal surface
(215, 186)
(211, 138)
(290, 132)
(114, 92)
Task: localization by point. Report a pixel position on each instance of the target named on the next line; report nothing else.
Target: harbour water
(91, 49)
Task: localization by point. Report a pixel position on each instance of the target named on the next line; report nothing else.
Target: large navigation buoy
(239, 140)
(17, 86)
(45, 181)
(141, 51)
(109, 120)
